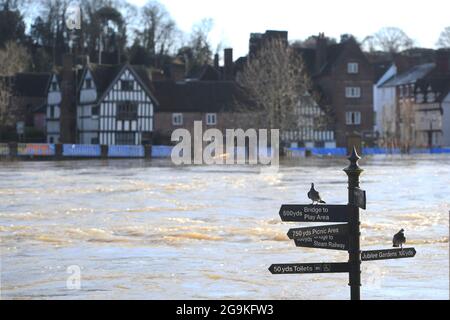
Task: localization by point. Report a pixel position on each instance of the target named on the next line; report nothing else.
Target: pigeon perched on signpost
(314, 195)
(399, 239)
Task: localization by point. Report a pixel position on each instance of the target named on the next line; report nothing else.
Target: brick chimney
(321, 51)
(443, 61)
(68, 102)
(216, 61)
(228, 64)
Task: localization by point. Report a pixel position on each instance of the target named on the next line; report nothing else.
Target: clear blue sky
(234, 20)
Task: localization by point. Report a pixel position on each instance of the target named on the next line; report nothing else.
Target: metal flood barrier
(35, 149)
(126, 151)
(78, 150)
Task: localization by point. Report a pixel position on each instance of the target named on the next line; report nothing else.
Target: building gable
(88, 90)
(54, 91)
(136, 90)
(126, 109)
(54, 84)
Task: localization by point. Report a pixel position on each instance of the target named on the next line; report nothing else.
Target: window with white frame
(352, 67)
(177, 119)
(353, 92)
(211, 119)
(353, 118)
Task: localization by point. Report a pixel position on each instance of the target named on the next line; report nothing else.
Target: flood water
(147, 230)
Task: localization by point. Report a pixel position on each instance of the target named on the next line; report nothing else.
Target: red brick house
(343, 78)
(215, 103)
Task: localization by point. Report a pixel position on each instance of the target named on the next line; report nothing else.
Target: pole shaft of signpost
(353, 172)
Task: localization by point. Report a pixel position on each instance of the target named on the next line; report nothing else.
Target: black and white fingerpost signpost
(344, 236)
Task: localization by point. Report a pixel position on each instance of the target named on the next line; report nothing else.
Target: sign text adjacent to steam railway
(324, 242)
(311, 213)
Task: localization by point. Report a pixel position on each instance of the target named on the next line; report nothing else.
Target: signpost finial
(354, 158)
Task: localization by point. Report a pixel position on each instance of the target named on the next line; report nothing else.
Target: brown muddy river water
(149, 230)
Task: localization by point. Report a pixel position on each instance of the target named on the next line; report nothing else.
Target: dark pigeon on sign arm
(314, 195)
(399, 239)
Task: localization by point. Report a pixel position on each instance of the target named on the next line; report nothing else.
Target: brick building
(215, 103)
(343, 77)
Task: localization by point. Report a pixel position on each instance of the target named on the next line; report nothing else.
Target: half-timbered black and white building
(312, 127)
(116, 106)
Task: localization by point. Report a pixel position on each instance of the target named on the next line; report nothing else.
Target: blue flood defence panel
(444, 150)
(126, 151)
(319, 151)
(374, 151)
(161, 151)
(329, 151)
(77, 150)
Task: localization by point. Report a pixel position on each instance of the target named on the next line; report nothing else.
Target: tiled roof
(411, 75)
(438, 85)
(104, 75)
(199, 96)
(204, 73)
(31, 84)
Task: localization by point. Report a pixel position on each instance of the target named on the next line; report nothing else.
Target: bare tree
(158, 34)
(311, 42)
(278, 84)
(388, 134)
(199, 42)
(13, 58)
(444, 38)
(369, 44)
(197, 51)
(392, 40)
(406, 125)
(6, 114)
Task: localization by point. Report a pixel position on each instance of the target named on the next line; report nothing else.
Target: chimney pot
(216, 61)
(321, 51)
(228, 65)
